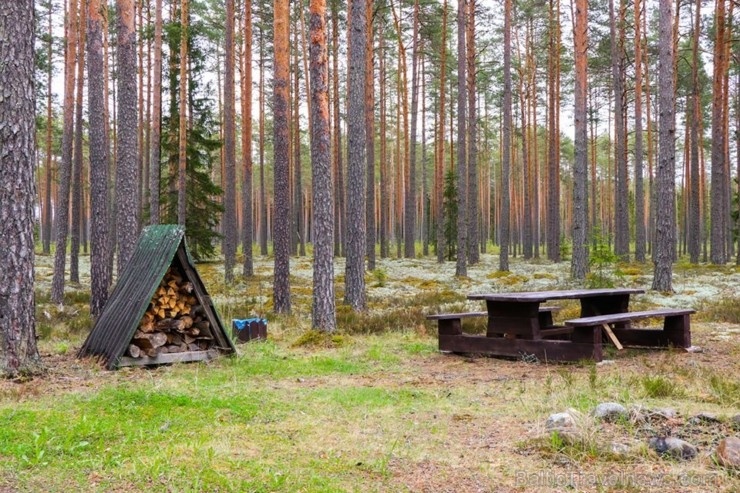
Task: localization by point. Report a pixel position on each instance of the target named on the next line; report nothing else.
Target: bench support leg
(590, 336)
(678, 330)
(450, 326)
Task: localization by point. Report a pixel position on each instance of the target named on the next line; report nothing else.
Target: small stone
(674, 447)
(617, 448)
(728, 453)
(704, 418)
(559, 421)
(664, 412)
(610, 411)
(694, 349)
(605, 362)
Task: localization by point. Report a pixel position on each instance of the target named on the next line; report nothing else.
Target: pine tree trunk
(337, 163)
(297, 228)
(621, 197)
(323, 311)
(78, 162)
(61, 218)
(19, 353)
(182, 154)
(461, 268)
(384, 159)
(665, 221)
(503, 264)
(718, 178)
(354, 294)
(553, 158)
(46, 230)
(410, 204)
(579, 261)
(100, 278)
(472, 212)
(154, 161)
(640, 235)
(127, 169)
(263, 199)
(248, 210)
(439, 157)
(281, 137)
(230, 227)
(694, 218)
(370, 136)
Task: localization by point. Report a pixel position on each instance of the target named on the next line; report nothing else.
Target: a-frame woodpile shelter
(159, 311)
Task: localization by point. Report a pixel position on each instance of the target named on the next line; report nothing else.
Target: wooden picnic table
(517, 314)
(516, 325)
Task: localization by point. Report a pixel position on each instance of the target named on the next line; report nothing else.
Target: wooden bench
(676, 331)
(451, 323)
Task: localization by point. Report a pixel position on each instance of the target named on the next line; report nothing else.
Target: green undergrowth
(250, 423)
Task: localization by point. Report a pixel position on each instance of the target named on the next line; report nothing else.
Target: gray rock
(560, 421)
(664, 412)
(728, 453)
(617, 448)
(610, 411)
(736, 421)
(704, 418)
(673, 447)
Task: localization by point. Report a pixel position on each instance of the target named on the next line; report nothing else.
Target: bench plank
(629, 316)
(451, 316)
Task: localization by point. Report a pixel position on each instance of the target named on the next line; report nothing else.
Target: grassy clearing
(374, 413)
(374, 408)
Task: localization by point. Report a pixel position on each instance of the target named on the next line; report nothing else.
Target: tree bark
(127, 169)
(324, 310)
(694, 216)
(621, 197)
(579, 261)
(461, 268)
(553, 148)
(154, 161)
(78, 162)
(665, 220)
(439, 157)
(230, 227)
(19, 354)
(384, 166)
(47, 215)
(247, 221)
(263, 198)
(354, 294)
(182, 160)
(410, 204)
(281, 219)
(61, 219)
(472, 212)
(719, 179)
(337, 162)
(370, 136)
(100, 278)
(640, 233)
(503, 264)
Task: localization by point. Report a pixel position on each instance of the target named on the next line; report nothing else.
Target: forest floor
(377, 407)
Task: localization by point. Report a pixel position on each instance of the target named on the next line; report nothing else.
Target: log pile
(174, 322)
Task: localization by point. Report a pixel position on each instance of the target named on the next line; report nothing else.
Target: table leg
(513, 319)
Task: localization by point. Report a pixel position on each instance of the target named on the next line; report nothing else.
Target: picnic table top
(541, 296)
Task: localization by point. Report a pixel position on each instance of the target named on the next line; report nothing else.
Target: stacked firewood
(174, 322)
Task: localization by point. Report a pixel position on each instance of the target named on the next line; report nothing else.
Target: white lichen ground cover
(397, 279)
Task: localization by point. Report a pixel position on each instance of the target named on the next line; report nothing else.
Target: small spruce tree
(449, 207)
(203, 211)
